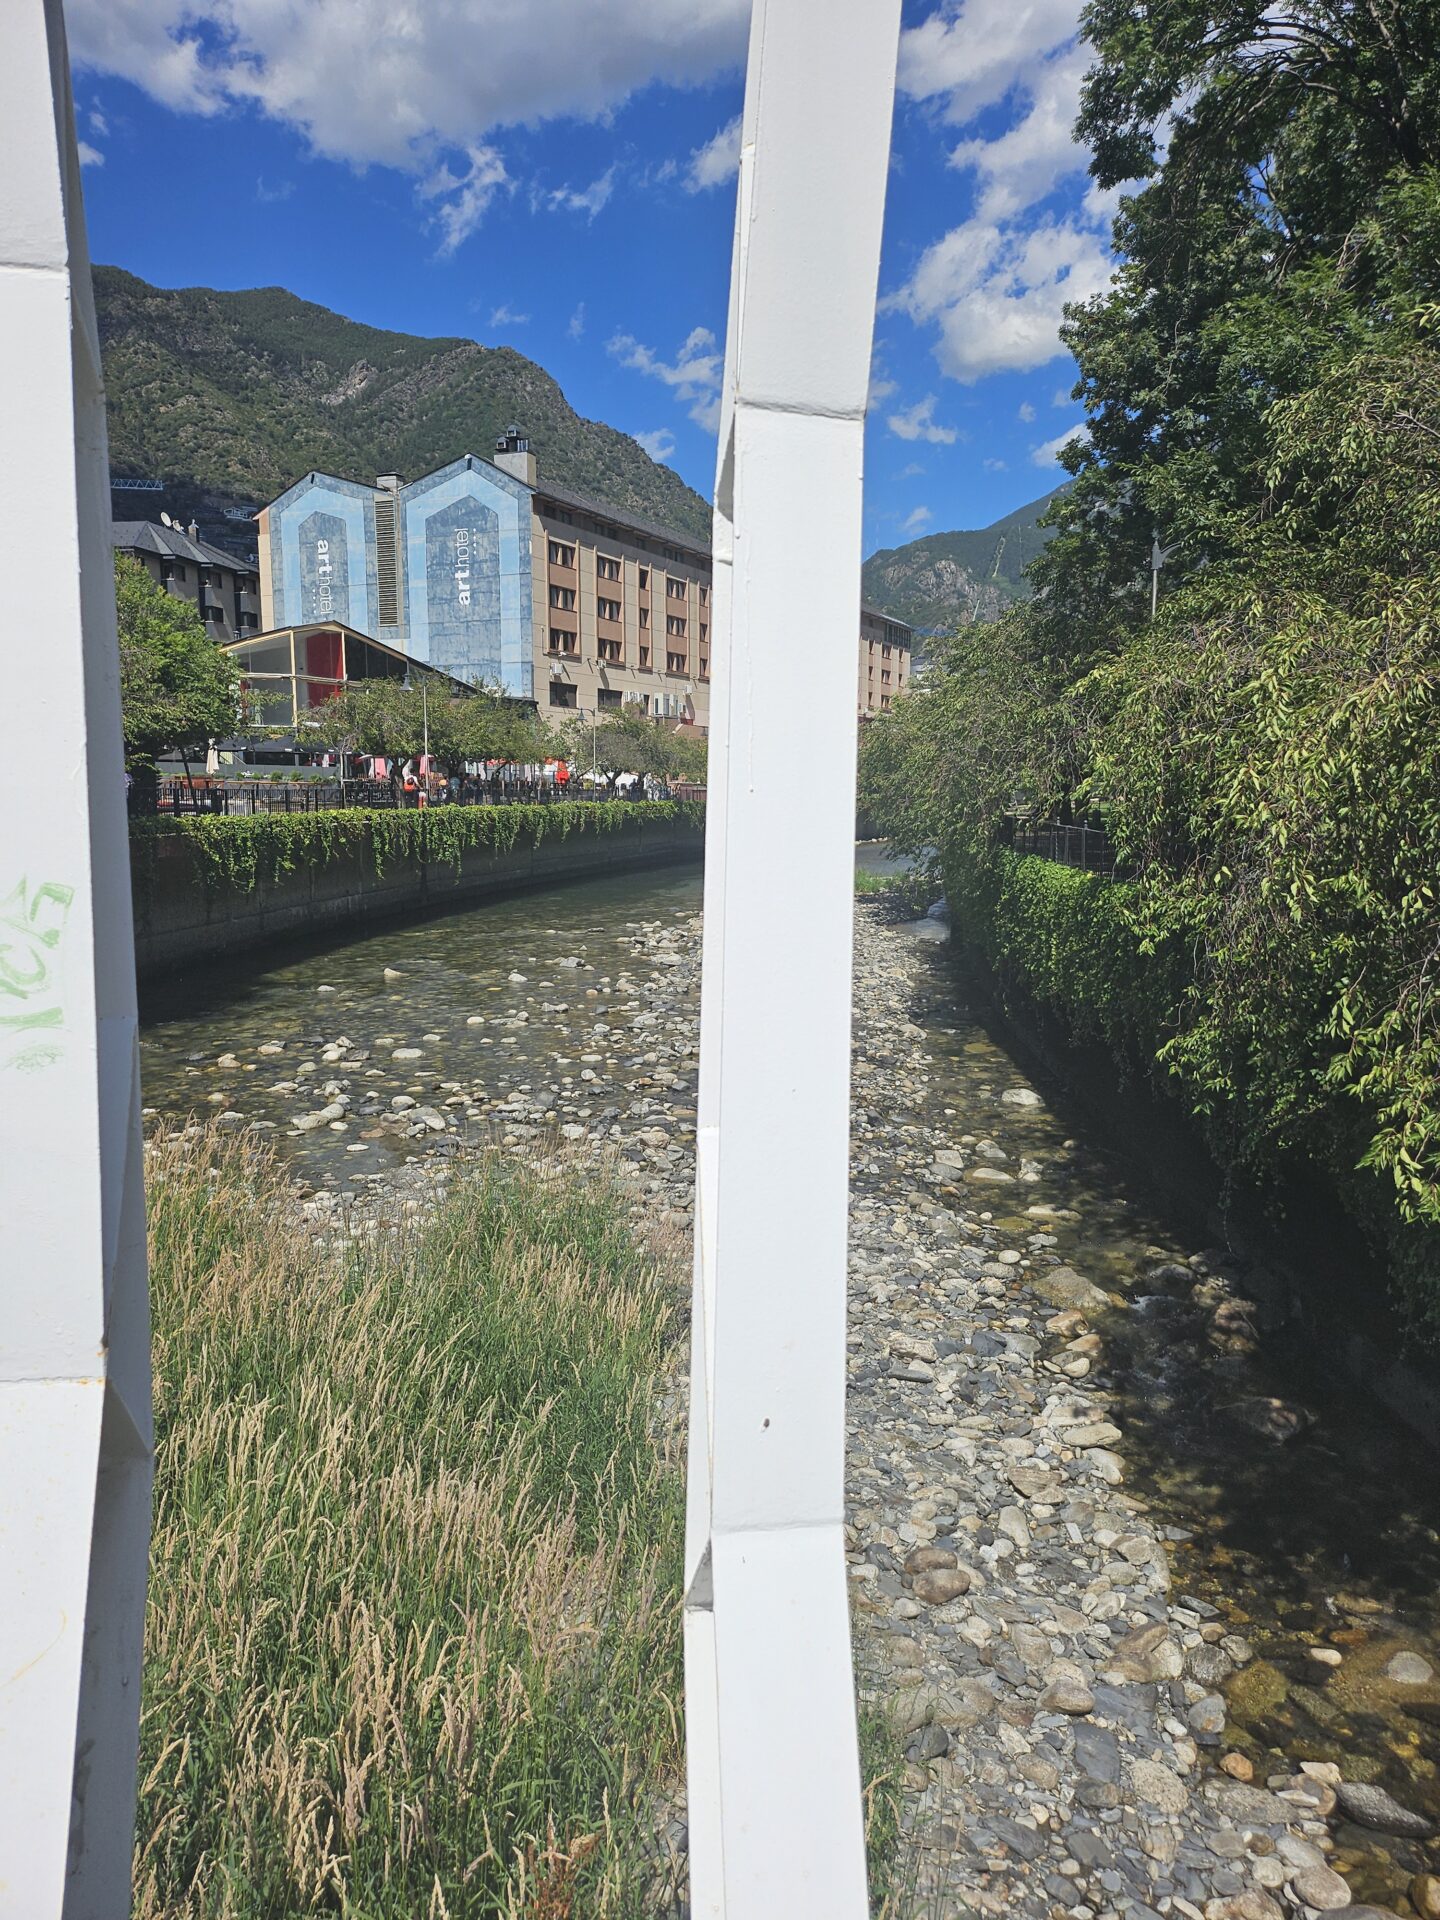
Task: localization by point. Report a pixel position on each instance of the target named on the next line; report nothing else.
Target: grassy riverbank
(413, 1638)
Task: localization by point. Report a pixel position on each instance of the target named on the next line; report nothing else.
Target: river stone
(1097, 1754)
(1099, 1434)
(1065, 1693)
(1147, 1654)
(1156, 1785)
(1373, 1807)
(990, 1176)
(1249, 1905)
(1276, 1420)
(1034, 1483)
(1207, 1717)
(406, 1053)
(1246, 1806)
(929, 1560)
(1425, 1895)
(1208, 1666)
(1021, 1097)
(1064, 1287)
(1032, 1646)
(941, 1585)
(1409, 1670)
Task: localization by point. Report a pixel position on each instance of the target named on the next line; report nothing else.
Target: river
(1322, 1550)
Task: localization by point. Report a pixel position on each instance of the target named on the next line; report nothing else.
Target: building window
(644, 616)
(609, 650)
(562, 641)
(704, 632)
(607, 609)
(644, 579)
(676, 588)
(645, 658)
(704, 596)
(607, 697)
(562, 694)
(561, 555)
(563, 597)
(559, 513)
(674, 663)
(885, 678)
(214, 613)
(675, 624)
(704, 666)
(606, 568)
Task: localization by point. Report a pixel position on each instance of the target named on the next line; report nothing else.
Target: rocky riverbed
(1097, 1716)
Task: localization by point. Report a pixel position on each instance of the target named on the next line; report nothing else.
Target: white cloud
(99, 125)
(270, 196)
(717, 161)
(881, 385)
(89, 156)
(1046, 455)
(693, 376)
(1025, 411)
(462, 199)
(659, 445)
(576, 324)
(917, 423)
(1062, 397)
(369, 81)
(917, 518)
(997, 295)
(587, 200)
(908, 473)
(1026, 164)
(995, 466)
(504, 316)
(995, 287)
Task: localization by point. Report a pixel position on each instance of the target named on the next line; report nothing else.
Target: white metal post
(775, 1826)
(75, 1428)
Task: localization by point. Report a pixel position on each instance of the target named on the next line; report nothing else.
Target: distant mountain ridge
(944, 579)
(227, 398)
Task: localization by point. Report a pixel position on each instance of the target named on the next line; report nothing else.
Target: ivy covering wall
(237, 853)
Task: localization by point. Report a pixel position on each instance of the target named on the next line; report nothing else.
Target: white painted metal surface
(774, 1786)
(75, 1428)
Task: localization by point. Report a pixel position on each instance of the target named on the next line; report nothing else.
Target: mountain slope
(229, 397)
(945, 578)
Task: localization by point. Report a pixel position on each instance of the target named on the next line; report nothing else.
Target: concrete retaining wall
(179, 922)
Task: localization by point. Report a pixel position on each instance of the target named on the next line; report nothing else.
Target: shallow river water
(1322, 1550)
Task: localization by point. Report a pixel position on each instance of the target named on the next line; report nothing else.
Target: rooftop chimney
(193, 530)
(389, 482)
(512, 453)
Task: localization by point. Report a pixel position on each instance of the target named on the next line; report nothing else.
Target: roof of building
(622, 516)
(879, 613)
(170, 543)
(271, 634)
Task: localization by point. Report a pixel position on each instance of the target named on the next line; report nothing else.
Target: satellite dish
(165, 519)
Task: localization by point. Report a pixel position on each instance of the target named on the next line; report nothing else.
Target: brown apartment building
(884, 660)
(488, 573)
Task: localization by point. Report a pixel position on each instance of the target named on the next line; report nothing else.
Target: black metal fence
(1070, 846)
(177, 797)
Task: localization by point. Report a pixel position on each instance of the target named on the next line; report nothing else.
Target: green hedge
(236, 853)
(1063, 944)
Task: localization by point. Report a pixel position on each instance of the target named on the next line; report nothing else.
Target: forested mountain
(229, 397)
(945, 579)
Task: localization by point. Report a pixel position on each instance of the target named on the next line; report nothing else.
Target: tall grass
(412, 1649)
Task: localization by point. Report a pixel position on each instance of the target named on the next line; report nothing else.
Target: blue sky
(560, 179)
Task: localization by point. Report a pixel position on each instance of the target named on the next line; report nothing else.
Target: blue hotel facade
(441, 568)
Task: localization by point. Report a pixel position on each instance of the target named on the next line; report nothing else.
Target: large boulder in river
(1064, 1287)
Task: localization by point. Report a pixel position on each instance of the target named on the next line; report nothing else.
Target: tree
(178, 691)
(1260, 140)
(388, 718)
(630, 741)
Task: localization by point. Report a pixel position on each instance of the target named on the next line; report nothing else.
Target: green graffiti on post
(32, 1006)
